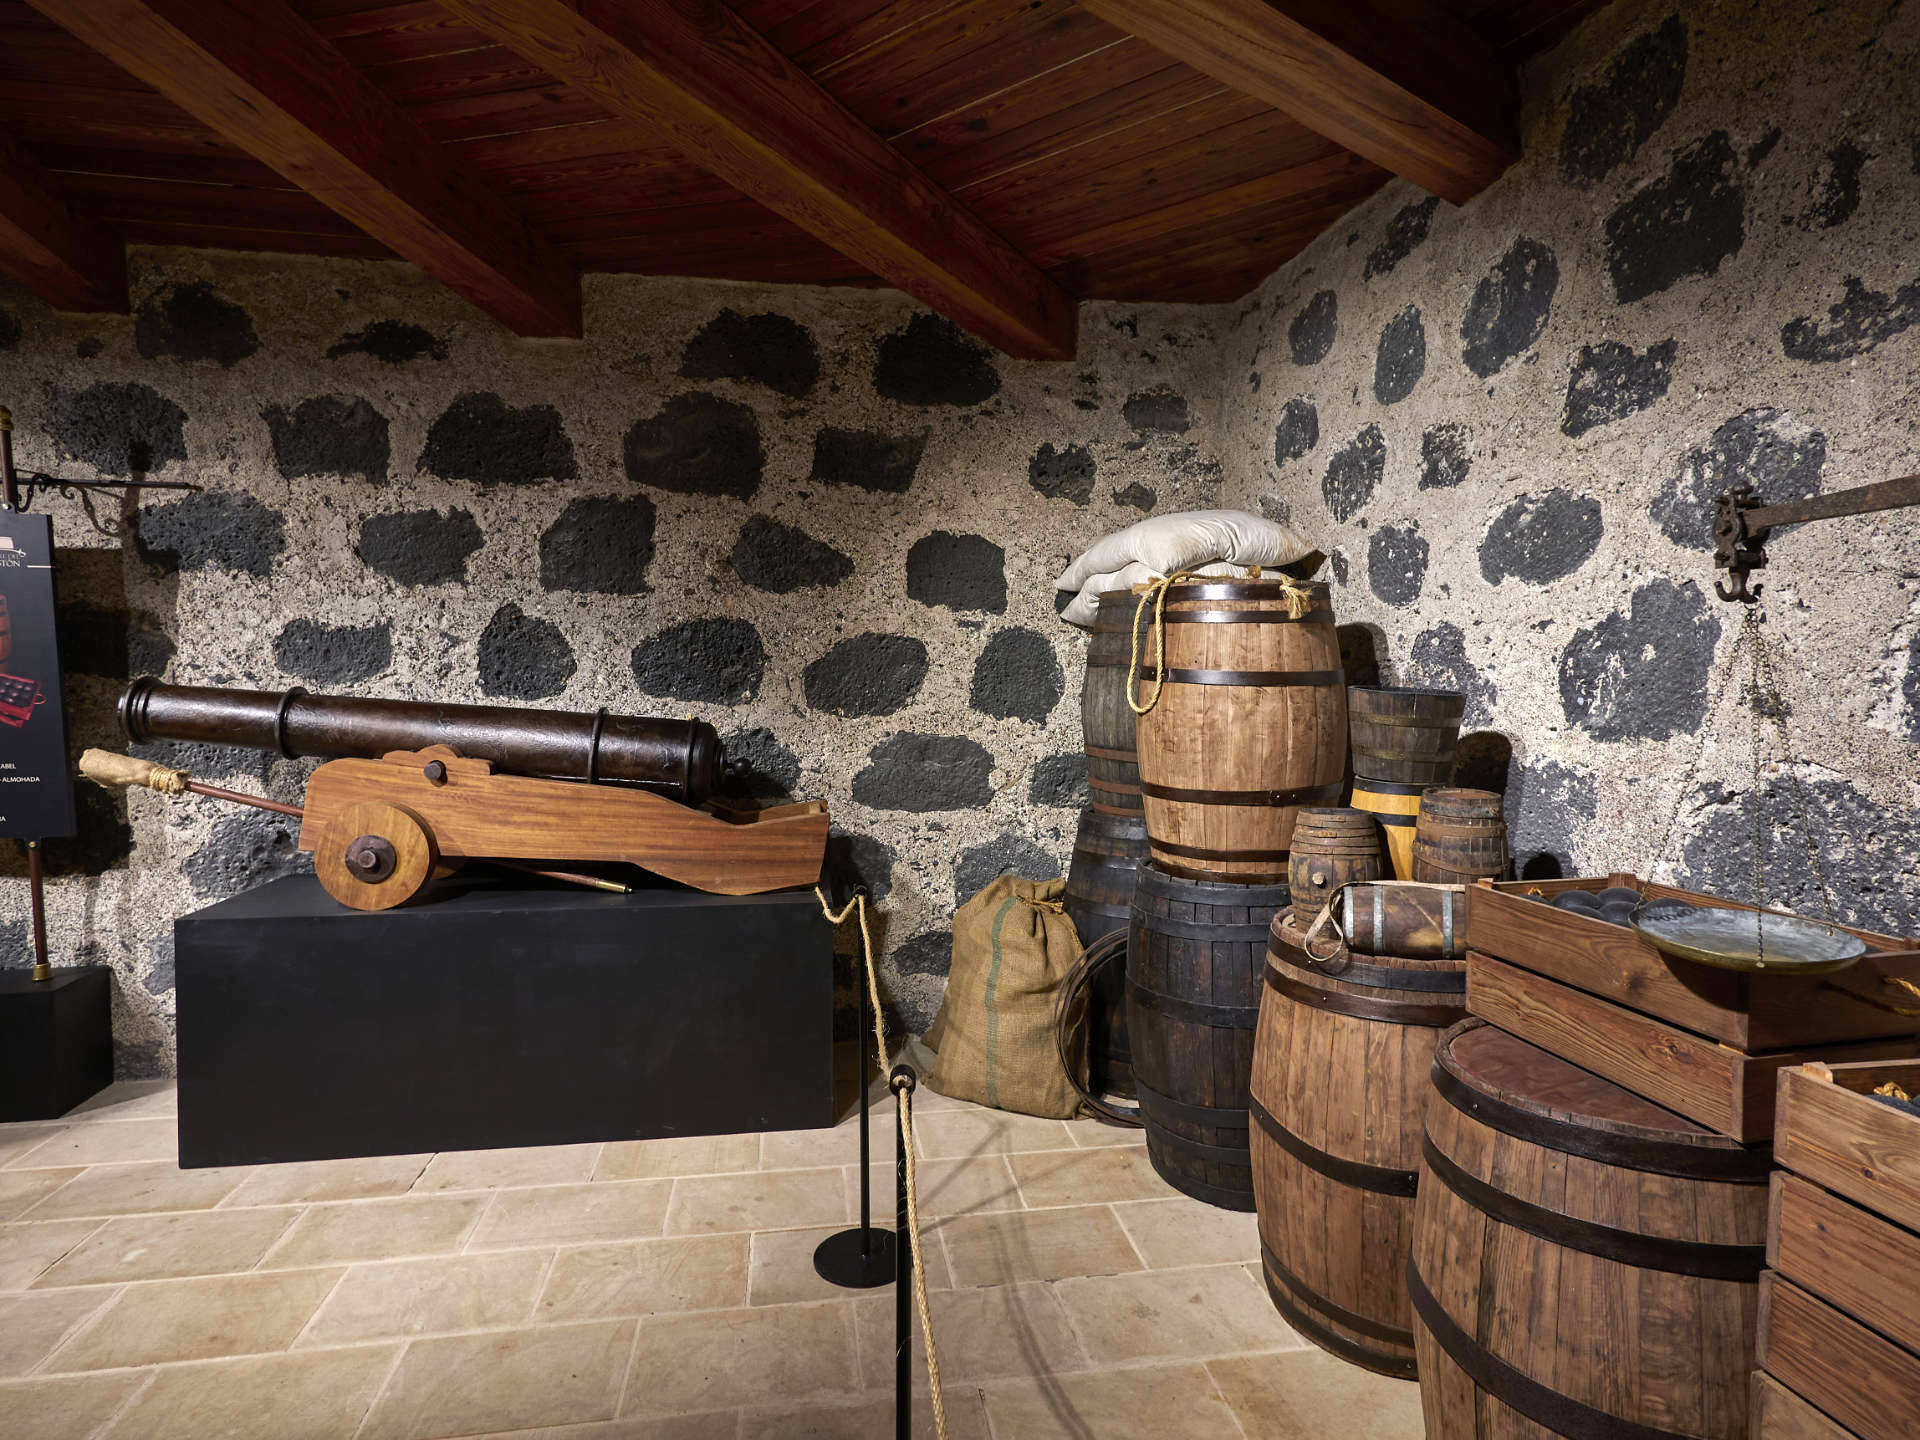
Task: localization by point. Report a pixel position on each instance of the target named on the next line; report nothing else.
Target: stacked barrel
(1403, 744)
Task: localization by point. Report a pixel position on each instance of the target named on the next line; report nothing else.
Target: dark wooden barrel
(1196, 952)
(1460, 837)
(1331, 847)
(1585, 1263)
(1402, 734)
(1395, 808)
(1421, 922)
(1106, 720)
(1249, 728)
(1108, 852)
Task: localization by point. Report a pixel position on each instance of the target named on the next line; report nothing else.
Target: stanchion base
(838, 1260)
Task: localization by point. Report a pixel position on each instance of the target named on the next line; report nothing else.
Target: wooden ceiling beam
(733, 104)
(1399, 82)
(258, 74)
(68, 260)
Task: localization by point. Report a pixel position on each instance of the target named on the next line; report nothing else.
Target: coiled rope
(1299, 600)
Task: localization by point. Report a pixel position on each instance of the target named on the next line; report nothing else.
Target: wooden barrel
(1584, 1261)
(1404, 735)
(1339, 1090)
(1106, 720)
(1108, 852)
(1395, 807)
(1460, 837)
(1250, 726)
(1196, 951)
(1421, 922)
(1331, 847)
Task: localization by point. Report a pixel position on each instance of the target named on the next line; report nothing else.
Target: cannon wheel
(375, 856)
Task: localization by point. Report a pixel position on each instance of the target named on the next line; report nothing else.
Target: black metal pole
(903, 1079)
(37, 899)
(860, 1258)
(866, 1086)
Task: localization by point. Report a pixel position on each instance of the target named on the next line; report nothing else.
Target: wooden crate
(1853, 1374)
(1846, 1255)
(1747, 1012)
(1779, 1414)
(1724, 1088)
(1829, 1132)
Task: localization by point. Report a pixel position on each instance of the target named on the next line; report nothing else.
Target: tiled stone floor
(659, 1290)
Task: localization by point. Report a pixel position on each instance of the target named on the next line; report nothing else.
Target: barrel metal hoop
(1405, 722)
(1361, 1007)
(1218, 891)
(1188, 872)
(1200, 852)
(1364, 786)
(1194, 930)
(1356, 1174)
(1400, 1367)
(293, 693)
(1299, 1289)
(1106, 861)
(1399, 822)
(1225, 1197)
(1295, 795)
(1122, 812)
(1165, 1110)
(1246, 617)
(1247, 679)
(1114, 787)
(1103, 752)
(1208, 588)
(1389, 977)
(1518, 1391)
(1198, 1149)
(1192, 1012)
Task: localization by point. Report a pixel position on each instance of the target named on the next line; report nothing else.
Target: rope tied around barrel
(1299, 601)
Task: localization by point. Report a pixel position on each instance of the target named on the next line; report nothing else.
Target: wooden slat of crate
(1727, 1090)
(1779, 1414)
(1831, 1133)
(1847, 1256)
(1860, 1378)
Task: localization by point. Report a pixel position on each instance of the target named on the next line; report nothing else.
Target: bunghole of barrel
(1395, 809)
(1330, 848)
(1249, 726)
(1460, 837)
(1339, 1091)
(1195, 954)
(1108, 852)
(1421, 922)
(1113, 766)
(1585, 1263)
(676, 758)
(1404, 735)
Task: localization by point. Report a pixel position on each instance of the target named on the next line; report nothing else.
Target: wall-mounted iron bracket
(1741, 524)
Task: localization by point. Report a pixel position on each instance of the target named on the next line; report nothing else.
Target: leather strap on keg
(1189, 1012)
(1247, 679)
(1520, 1392)
(1298, 1289)
(1295, 795)
(1200, 852)
(1101, 752)
(1362, 1007)
(1389, 977)
(1165, 1110)
(1355, 1174)
(1194, 930)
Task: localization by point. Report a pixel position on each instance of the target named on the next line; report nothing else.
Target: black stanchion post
(861, 1258)
(903, 1079)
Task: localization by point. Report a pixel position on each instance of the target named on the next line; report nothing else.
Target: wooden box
(1829, 1132)
(1779, 1414)
(1850, 1372)
(1748, 1012)
(1846, 1255)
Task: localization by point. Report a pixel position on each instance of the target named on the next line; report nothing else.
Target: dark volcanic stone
(1840, 191)
(758, 766)
(10, 331)
(1297, 432)
(1017, 677)
(1610, 381)
(246, 849)
(1548, 804)
(1353, 473)
(159, 979)
(1509, 307)
(1062, 474)
(923, 773)
(1406, 232)
(869, 674)
(208, 762)
(148, 647)
(1060, 780)
(698, 444)
(932, 363)
(1439, 658)
(857, 860)
(119, 429)
(719, 660)
(1860, 320)
(93, 641)
(333, 654)
(523, 657)
(1397, 564)
(481, 438)
(420, 547)
(190, 322)
(1541, 540)
(1310, 336)
(1763, 448)
(392, 342)
(86, 347)
(599, 546)
(784, 558)
(1444, 456)
(215, 527)
(961, 572)
(1401, 358)
(1607, 122)
(1684, 223)
(1161, 408)
(1140, 497)
(980, 865)
(881, 463)
(1910, 687)
(329, 435)
(928, 953)
(1642, 676)
(769, 350)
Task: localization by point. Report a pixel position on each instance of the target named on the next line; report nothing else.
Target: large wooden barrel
(1249, 727)
(1331, 847)
(1421, 922)
(1196, 951)
(1396, 808)
(1106, 720)
(1339, 1090)
(1585, 1263)
(1460, 837)
(1404, 735)
(1108, 852)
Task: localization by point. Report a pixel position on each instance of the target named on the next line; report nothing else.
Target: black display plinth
(56, 1040)
(496, 1014)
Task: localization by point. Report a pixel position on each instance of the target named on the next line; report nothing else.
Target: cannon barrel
(675, 758)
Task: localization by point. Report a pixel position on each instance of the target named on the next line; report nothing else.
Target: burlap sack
(1012, 946)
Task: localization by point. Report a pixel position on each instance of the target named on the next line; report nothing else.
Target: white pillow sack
(1080, 610)
(1166, 544)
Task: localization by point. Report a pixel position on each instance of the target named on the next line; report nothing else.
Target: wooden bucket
(1250, 726)
(1106, 720)
(1339, 1090)
(1460, 837)
(1330, 848)
(1395, 807)
(1404, 735)
(1420, 922)
(1196, 951)
(1582, 1259)
(1108, 852)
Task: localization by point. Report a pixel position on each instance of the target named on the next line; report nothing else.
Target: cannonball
(1618, 894)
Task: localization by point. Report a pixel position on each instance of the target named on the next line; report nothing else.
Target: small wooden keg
(1421, 922)
(1404, 735)
(1460, 837)
(1331, 847)
(1585, 1263)
(1108, 852)
(1106, 720)
(1395, 808)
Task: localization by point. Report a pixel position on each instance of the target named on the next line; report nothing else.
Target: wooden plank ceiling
(1060, 154)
